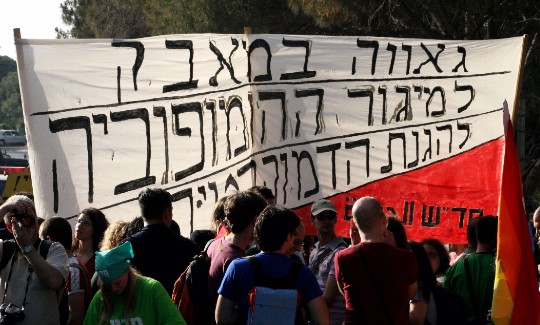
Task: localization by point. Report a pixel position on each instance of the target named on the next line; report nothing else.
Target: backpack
(274, 300)
(190, 291)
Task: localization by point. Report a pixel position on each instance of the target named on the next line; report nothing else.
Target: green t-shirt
(482, 266)
(152, 306)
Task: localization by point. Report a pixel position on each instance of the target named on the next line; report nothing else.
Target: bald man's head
(536, 219)
(367, 213)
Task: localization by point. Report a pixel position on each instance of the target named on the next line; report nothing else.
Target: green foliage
(7, 65)
(10, 102)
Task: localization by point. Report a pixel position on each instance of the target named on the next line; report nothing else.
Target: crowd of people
(257, 253)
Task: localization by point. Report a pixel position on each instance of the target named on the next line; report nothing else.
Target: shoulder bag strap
(317, 264)
(375, 285)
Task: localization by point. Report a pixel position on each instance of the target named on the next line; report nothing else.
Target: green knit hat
(111, 264)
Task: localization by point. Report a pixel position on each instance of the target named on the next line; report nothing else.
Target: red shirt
(393, 271)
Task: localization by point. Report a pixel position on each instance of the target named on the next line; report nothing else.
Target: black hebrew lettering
(260, 43)
(382, 91)
(139, 48)
(193, 107)
(331, 148)
(74, 123)
(159, 111)
(182, 45)
(183, 194)
(280, 95)
(428, 150)
(300, 74)
(408, 49)
(463, 51)
(252, 121)
(211, 106)
(222, 62)
(138, 113)
(370, 44)
(368, 92)
(431, 59)
(236, 102)
(406, 109)
(419, 90)
(427, 220)
(349, 202)
(273, 159)
(439, 90)
(359, 143)
(305, 155)
(449, 128)
(231, 182)
(391, 211)
(353, 68)
(408, 213)
(118, 89)
(462, 212)
(319, 118)
(101, 119)
(393, 136)
(251, 165)
(468, 88)
(392, 48)
(202, 191)
(283, 158)
(298, 122)
(464, 126)
(414, 163)
(479, 212)
(212, 186)
(55, 186)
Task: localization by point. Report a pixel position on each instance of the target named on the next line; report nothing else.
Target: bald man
(376, 278)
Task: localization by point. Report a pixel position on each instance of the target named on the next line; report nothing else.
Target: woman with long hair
(89, 229)
(127, 297)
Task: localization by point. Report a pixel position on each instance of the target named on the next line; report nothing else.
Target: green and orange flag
(516, 299)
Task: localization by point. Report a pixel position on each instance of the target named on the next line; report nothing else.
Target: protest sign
(415, 123)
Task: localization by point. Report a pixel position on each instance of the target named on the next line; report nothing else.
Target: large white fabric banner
(206, 115)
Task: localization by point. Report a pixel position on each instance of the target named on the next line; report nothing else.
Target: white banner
(205, 115)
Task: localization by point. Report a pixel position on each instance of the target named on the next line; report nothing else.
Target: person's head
(112, 266)
(90, 226)
(265, 192)
(218, 214)
(156, 205)
(114, 235)
(437, 254)
(201, 237)
(299, 239)
(26, 218)
(136, 225)
(275, 229)
(486, 233)
(324, 216)
(536, 219)
(117, 278)
(471, 233)
(241, 209)
(398, 231)
(175, 227)
(57, 229)
(369, 217)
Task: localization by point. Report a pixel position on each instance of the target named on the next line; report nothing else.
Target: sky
(35, 18)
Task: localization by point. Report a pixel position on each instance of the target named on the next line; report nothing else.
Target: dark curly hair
(273, 226)
(99, 225)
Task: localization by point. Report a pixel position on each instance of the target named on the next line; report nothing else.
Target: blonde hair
(114, 235)
(128, 296)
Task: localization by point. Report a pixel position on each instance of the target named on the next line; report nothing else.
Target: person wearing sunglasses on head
(321, 259)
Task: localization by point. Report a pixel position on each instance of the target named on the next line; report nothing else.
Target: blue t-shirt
(238, 280)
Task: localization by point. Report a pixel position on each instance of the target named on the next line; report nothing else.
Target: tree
(10, 102)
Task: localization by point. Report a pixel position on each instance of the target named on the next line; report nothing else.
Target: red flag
(515, 297)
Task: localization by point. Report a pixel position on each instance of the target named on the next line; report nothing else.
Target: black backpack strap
(8, 249)
(43, 247)
(472, 293)
(262, 279)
